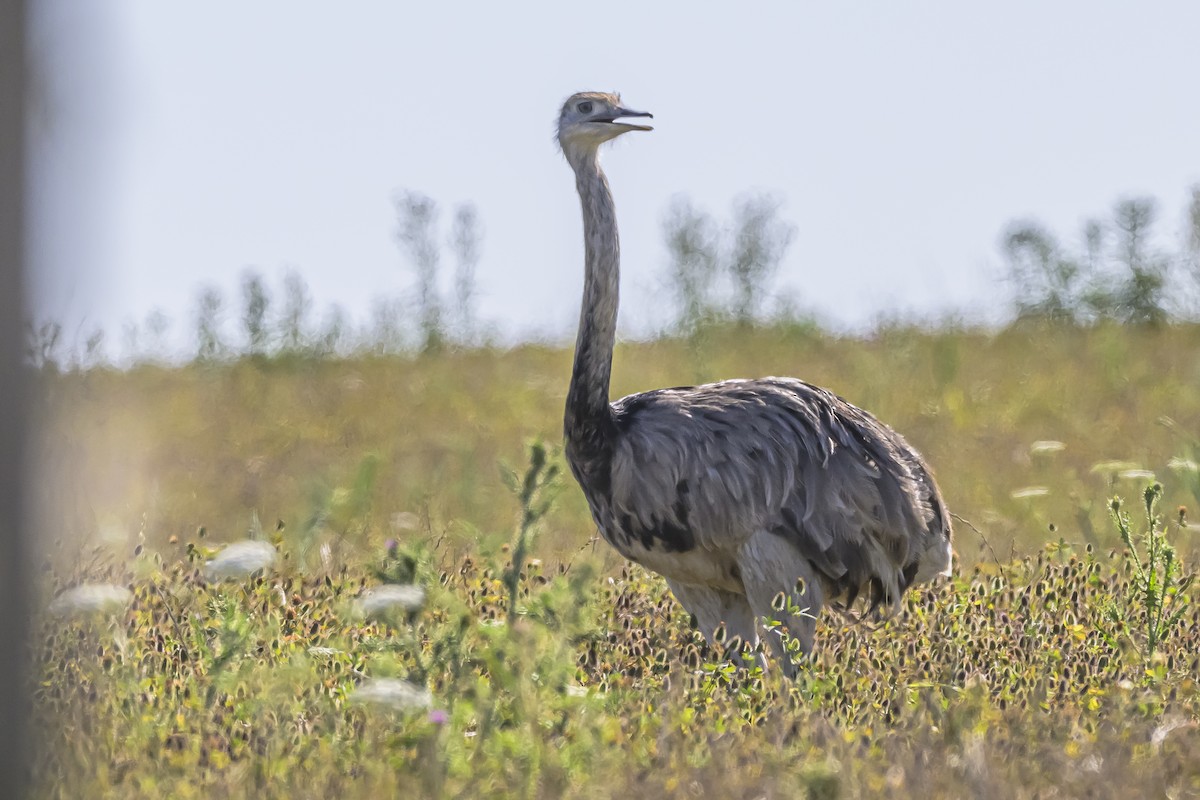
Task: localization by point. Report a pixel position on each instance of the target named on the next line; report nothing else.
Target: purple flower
(438, 717)
(391, 546)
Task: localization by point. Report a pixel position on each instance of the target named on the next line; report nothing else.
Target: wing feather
(732, 458)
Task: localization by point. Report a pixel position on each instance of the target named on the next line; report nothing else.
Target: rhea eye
(585, 107)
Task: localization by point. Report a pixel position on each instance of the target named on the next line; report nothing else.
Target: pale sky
(178, 144)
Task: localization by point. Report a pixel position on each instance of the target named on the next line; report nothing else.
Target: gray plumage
(739, 491)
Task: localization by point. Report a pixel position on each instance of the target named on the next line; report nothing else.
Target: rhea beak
(629, 126)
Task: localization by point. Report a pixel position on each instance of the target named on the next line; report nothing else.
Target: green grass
(166, 451)
(1011, 680)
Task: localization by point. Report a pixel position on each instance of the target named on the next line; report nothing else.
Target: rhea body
(740, 493)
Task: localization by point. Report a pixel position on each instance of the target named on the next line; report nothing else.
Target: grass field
(1028, 674)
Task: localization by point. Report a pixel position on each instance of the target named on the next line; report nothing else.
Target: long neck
(588, 415)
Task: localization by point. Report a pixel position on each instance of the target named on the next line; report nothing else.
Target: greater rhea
(766, 498)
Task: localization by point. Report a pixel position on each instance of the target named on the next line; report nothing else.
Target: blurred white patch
(241, 559)
(380, 600)
(323, 651)
(113, 533)
(1113, 467)
(92, 599)
(1030, 491)
(1162, 731)
(393, 693)
(1136, 475)
(405, 521)
(1046, 446)
(1183, 465)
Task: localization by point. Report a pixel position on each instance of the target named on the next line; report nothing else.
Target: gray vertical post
(14, 596)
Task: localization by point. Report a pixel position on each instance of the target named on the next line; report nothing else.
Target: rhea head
(589, 119)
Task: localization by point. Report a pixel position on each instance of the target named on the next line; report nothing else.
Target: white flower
(380, 600)
(91, 599)
(1046, 446)
(1030, 491)
(241, 559)
(393, 693)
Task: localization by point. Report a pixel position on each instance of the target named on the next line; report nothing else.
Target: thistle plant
(535, 491)
(1160, 586)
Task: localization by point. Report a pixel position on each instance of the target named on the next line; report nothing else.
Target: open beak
(622, 113)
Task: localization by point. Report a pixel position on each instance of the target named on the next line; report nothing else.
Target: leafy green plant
(1160, 585)
(232, 632)
(535, 491)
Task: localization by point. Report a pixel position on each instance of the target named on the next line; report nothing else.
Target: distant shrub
(210, 345)
(293, 331)
(748, 253)
(466, 238)
(1192, 250)
(760, 240)
(1139, 295)
(416, 216)
(255, 302)
(1050, 285)
(1120, 274)
(692, 241)
(42, 343)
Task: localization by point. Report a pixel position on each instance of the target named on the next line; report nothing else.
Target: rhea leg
(777, 576)
(716, 607)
